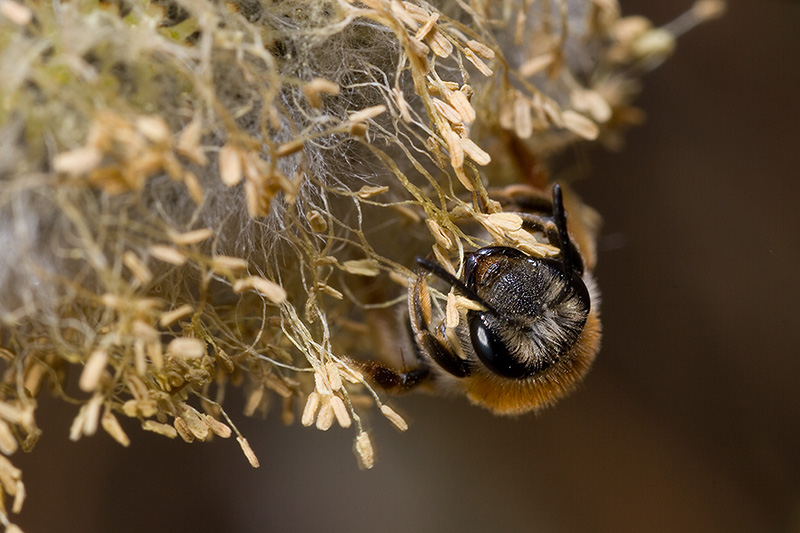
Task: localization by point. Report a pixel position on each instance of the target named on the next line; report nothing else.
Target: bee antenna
(569, 255)
(437, 270)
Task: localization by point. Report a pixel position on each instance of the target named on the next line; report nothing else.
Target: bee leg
(391, 380)
(427, 344)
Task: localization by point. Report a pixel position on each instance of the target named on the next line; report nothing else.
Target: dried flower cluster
(197, 194)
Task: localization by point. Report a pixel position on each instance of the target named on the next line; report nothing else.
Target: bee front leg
(391, 380)
(429, 345)
(429, 349)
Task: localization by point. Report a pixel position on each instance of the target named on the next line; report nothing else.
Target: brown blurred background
(690, 420)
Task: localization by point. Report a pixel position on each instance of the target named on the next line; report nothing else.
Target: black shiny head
(535, 308)
(535, 311)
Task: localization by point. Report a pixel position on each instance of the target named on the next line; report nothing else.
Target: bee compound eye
(492, 350)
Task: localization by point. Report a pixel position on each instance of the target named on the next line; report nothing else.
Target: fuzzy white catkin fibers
(52, 230)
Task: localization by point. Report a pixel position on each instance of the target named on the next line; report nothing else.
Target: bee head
(535, 311)
(534, 308)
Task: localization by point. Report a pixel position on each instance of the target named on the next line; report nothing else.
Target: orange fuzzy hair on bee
(514, 397)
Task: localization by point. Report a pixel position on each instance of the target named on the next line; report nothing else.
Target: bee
(533, 327)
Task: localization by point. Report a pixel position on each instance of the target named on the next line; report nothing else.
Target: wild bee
(533, 327)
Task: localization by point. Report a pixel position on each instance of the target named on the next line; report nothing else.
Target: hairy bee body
(532, 329)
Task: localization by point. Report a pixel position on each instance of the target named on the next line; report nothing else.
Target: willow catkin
(244, 210)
